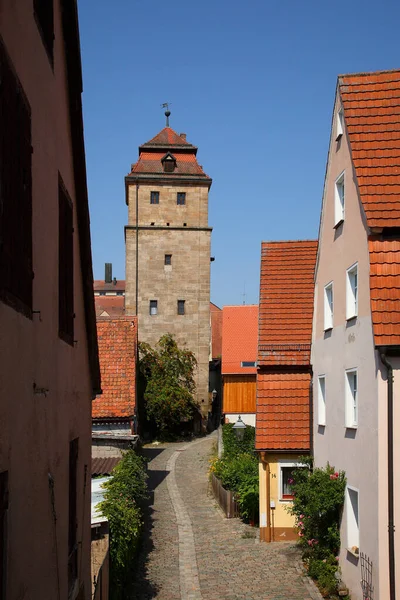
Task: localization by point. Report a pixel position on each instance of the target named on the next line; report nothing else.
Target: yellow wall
(275, 524)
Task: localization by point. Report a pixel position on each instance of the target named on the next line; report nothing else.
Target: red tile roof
(239, 338)
(150, 162)
(283, 401)
(167, 140)
(286, 302)
(167, 137)
(117, 351)
(114, 306)
(216, 331)
(371, 105)
(99, 285)
(385, 290)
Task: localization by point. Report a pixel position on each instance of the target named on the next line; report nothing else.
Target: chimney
(108, 273)
(183, 136)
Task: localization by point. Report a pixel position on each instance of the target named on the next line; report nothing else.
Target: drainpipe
(392, 581)
(268, 494)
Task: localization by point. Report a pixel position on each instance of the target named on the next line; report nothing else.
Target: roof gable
(371, 108)
(286, 302)
(117, 340)
(239, 338)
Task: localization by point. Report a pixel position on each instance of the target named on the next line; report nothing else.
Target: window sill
(355, 554)
(327, 329)
(339, 135)
(286, 499)
(351, 318)
(321, 424)
(338, 224)
(354, 427)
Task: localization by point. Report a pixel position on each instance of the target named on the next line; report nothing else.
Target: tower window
(154, 197)
(168, 259)
(181, 307)
(181, 198)
(153, 307)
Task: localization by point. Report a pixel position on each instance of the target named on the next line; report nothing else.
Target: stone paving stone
(224, 559)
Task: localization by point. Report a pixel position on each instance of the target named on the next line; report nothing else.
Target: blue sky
(251, 83)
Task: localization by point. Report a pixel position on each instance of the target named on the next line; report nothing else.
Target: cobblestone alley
(191, 552)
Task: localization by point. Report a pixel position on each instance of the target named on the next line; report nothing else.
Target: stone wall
(186, 278)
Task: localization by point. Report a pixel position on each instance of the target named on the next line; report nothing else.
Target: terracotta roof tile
(283, 421)
(239, 338)
(113, 306)
(167, 140)
(117, 351)
(167, 137)
(385, 290)
(150, 162)
(99, 285)
(371, 105)
(286, 302)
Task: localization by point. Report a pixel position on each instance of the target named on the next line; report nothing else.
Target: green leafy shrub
(170, 387)
(317, 507)
(238, 470)
(124, 495)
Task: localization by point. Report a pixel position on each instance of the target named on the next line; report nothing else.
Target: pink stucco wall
(36, 428)
(349, 344)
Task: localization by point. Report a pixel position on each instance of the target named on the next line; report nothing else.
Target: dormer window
(169, 163)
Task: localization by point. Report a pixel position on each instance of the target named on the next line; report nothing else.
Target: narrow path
(191, 552)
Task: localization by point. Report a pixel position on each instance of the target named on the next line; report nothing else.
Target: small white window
(351, 398)
(353, 528)
(286, 469)
(321, 401)
(352, 292)
(339, 124)
(153, 307)
(328, 306)
(339, 200)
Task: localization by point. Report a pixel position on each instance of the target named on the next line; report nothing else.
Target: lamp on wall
(239, 428)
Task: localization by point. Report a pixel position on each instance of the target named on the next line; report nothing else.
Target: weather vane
(167, 112)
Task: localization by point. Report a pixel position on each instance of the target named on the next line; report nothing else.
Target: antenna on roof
(244, 293)
(167, 112)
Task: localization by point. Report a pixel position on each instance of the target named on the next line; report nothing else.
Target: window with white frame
(321, 401)
(328, 306)
(286, 479)
(353, 528)
(351, 398)
(339, 200)
(352, 292)
(339, 124)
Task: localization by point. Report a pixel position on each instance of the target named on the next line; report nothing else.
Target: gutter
(392, 580)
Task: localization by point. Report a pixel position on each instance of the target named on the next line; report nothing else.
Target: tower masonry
(168, 248)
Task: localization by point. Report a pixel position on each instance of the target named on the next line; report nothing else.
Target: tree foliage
(170, 386)
(238, 470)
(125, 493)
(317, 506)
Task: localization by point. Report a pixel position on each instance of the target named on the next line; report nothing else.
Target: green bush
(238, 470)
(124, 495)
(317, 506)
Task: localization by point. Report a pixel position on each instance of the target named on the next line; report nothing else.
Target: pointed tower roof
(168, 138)
(183, 165)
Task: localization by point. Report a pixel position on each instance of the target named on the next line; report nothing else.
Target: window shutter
(15, 191)
(65, 267)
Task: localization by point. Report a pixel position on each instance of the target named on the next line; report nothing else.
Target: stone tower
(168, 248)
